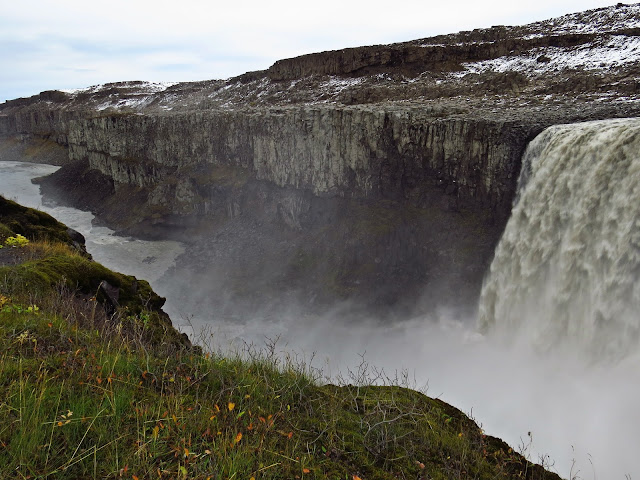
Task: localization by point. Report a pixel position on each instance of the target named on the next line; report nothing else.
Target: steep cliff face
(348, 152)
(328, 202)
(386, 168)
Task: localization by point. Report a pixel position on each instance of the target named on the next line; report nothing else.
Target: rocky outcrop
(416, 57)
(42, 119)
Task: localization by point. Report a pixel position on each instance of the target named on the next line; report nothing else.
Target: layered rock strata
(347, 152)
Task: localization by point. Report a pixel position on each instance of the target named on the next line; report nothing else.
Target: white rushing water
(582, 417)
(567, 268)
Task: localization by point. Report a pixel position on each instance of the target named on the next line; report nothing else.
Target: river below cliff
(144, 259)
(578, 419)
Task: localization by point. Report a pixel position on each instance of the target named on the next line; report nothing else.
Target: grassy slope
(91, 394)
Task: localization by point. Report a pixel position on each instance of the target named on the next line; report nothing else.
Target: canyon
(380, 175)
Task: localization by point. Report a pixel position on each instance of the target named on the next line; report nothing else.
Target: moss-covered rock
(31, 223)
(54, 257)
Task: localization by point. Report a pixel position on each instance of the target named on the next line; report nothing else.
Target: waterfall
(567, 269)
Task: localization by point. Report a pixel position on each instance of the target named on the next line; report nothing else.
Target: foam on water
(567, 267)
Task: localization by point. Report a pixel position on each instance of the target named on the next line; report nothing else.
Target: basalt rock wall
(345, 152)
(36, 129)
(40, 116)
(347, 201)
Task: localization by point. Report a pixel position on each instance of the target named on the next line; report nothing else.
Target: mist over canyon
(353, 201)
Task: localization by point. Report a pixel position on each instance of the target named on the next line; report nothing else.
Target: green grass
(91, 393)
(79, 402)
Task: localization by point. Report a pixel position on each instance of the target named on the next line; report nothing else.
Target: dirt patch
(11, 256)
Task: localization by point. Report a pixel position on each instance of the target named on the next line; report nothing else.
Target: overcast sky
(67, 44)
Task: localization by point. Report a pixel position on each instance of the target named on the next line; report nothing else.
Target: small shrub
(18, 241)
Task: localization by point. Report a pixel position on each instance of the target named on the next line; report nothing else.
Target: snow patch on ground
(594, 21)
(142, 87)
(617, 51)
(133, 103)
(337, 84)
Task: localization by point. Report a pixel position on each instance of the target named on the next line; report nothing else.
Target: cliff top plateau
(549, 69)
